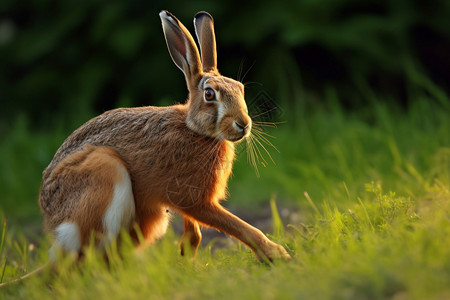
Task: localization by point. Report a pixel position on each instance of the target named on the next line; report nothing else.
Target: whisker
(259, 126)
(250, 154)
(270, 124)
(243, 77)
(267, 152)
(248, 83)
(262, 161)
(241, 68)
(253, 156)
(265, 112)
(257, 130)
(265, 140)
(258, 151)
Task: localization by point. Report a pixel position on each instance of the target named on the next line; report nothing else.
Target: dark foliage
(76, 57)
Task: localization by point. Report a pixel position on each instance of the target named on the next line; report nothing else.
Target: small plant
(2, 261)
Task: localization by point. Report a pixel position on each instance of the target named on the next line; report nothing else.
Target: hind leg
(89, 192)
(192, 236)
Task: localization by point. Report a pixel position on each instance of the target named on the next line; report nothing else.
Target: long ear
(181, 46)
(204, 29)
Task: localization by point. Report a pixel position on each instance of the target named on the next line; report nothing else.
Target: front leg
(192, 236)
(216, 216)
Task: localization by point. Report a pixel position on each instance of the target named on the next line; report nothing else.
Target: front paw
(272, 251)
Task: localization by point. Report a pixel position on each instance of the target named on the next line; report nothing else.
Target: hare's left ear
(182, 48)
(204, 29)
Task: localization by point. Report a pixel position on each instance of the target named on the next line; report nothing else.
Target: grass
(368, 201)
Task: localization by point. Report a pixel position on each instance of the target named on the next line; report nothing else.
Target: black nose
(242, 128)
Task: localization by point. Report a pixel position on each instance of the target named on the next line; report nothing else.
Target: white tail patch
(121, 211)
(67, 238)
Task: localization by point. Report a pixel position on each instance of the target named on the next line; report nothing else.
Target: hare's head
(216, 105)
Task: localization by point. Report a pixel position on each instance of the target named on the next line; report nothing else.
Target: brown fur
(178, 157)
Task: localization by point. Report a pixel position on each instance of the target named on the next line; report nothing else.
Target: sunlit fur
(179, 158)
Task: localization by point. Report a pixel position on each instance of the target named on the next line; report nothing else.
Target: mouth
(237, 139)
(235, 132)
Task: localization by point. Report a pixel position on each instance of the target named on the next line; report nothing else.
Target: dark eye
(209, 94)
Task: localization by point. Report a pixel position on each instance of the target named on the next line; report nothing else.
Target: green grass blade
(278, 227)
(1, 248)
(3, 236)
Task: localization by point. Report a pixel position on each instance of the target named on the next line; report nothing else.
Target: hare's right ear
(181, 46)
(204, 29)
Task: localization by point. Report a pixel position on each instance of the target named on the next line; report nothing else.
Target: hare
(129, 167)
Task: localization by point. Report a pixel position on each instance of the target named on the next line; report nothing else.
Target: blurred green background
(62, 62)
(62, 58)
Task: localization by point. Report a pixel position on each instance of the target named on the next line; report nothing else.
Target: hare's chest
(200, 186)
(199, 179)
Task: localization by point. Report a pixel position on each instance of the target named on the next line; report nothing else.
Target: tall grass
(382, 246)
(329, 148)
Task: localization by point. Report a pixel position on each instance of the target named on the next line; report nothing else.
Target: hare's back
(122, 129)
